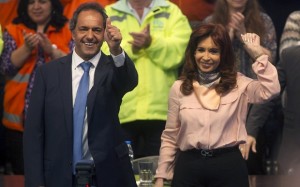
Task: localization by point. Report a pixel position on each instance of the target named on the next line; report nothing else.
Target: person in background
(155, 34)
(2, 130)
(208, 108)
(289, 39)
(195, 10)
(288, 72)
(51, 136)
(37, 35)
(279, 10)
(1, 40)
(71, 5)
(8, 8)
(8, 11)
(291, 32)
(240, 17)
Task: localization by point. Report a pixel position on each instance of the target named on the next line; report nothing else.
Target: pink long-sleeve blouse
(190, 125)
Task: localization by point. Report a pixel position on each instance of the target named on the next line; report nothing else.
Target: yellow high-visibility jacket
(158, 64)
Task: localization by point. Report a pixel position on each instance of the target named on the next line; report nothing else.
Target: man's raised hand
(113, 37)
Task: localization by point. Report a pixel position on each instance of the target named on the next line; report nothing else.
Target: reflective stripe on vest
(162, 15)
(12, 118)
(118, 18)
(21, 78)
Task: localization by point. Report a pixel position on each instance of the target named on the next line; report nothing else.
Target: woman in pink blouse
(207, 111)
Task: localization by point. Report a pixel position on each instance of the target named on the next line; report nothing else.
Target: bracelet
(54, 47)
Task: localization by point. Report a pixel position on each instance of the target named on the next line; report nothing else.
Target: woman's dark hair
(58, 20)
(226, 67)
(252, 14)
(84, 7)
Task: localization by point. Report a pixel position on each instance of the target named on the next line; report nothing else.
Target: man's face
(88, 34)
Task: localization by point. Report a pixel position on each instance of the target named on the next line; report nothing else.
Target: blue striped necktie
(79, 113)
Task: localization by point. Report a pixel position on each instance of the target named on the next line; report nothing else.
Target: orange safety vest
(15, 87)
(71, 5)
(195, 10)
(8, 11)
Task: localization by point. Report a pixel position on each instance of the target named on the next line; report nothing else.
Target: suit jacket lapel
(100, 74)
(65, 77)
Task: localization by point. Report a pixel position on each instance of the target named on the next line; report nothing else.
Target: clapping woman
(37, 35)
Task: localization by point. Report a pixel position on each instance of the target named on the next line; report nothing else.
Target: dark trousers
(14, 150)
(2, 128)
(145, 136)
(226, 169)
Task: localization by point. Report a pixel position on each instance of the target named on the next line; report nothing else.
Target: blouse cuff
(260, 64)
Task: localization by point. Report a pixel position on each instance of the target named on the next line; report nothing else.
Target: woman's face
(39, 11)
(207, 55)
(237, 4)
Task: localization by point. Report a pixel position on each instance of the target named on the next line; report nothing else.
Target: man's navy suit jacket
(48, 134)
(289, 75)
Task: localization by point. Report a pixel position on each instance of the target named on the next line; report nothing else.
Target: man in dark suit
(49, 126)
(289, 76)
(288, 69)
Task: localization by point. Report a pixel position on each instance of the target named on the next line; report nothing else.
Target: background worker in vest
(2, 130)
(31, 40)
(155, 35)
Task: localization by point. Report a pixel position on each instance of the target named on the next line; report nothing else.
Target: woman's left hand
(45, 43)
(30, 40)
(252, 45)
(237, 24)
(246, 147)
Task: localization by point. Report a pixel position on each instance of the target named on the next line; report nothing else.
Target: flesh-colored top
(190, 125)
